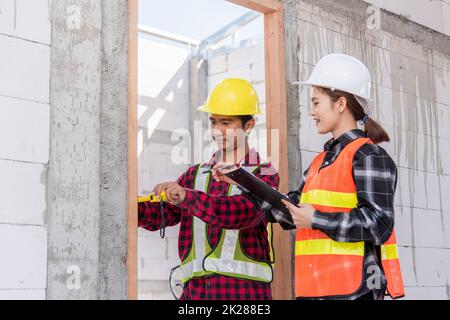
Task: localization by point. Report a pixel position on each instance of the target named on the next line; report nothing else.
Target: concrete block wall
(411, 100)
(24, 140)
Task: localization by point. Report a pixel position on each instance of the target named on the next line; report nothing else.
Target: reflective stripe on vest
(324, 267)
(330, 198)
(389, 252)
(391, 267)
(327, 246)
(192, 265)
(227, 258)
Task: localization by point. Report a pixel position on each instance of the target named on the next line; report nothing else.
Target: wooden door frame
(132, 220)
(276, 119)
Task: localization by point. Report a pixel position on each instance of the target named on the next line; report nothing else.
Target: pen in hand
(225, 167)
(231, 166)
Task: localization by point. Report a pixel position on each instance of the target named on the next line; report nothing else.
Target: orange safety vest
(324, 267)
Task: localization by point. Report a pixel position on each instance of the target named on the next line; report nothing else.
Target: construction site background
(63, 105)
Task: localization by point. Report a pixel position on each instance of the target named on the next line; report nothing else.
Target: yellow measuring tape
(161, 199)
(153, 197)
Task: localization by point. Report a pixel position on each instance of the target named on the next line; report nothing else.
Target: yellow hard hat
(232, 97)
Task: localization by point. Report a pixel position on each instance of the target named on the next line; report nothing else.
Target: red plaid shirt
(219, 211)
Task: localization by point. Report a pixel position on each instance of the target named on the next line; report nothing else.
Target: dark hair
(374, 131)
(245, 119)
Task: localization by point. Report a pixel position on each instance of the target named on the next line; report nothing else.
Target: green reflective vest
(227, 258)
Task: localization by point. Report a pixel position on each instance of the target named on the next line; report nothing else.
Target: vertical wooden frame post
(277, 143)
(132, 150)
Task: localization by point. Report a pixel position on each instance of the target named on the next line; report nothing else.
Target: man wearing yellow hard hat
(224, 240)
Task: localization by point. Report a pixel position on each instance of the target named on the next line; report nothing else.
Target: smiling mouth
(316, 121)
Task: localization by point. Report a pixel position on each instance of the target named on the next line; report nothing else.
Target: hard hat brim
(299, 82)
(307, 83)
(204, 108)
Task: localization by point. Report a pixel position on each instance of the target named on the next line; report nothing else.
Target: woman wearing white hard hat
(345, 243)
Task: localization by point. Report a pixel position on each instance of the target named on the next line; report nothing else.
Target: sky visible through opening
(196, 19)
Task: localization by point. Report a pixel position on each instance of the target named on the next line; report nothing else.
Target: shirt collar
(251, 159)
(344, 139)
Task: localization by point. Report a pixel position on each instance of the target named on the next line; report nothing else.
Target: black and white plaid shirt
(375, 175)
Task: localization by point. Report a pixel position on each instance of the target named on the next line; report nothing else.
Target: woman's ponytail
(375, 132)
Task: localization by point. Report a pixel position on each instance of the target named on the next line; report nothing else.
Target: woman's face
(324, 111)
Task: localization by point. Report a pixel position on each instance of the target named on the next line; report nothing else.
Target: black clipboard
(252, 184)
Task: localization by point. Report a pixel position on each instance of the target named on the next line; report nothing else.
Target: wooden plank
(275, 73)
(132, 151)
(263, 6)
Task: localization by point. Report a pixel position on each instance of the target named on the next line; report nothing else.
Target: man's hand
(160, 187)
(219, 170)
(302, 216)
(175, 193)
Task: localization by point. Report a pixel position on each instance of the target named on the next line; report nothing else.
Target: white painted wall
(24, 140)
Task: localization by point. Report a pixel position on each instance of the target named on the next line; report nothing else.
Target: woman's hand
(219, 170)
(302, 216)
(174, 192)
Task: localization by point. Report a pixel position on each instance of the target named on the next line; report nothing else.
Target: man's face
(228, 132)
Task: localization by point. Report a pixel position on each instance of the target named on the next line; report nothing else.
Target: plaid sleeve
(230, 212)
(271, 213)
(149, 214)
(295, 195)
(375, 176)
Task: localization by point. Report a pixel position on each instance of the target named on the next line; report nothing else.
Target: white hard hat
(341, 72)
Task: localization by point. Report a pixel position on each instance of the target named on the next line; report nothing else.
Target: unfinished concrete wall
(87, 174)
(410, 67)
(432, 14)
(24, 152)
(112, 281)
